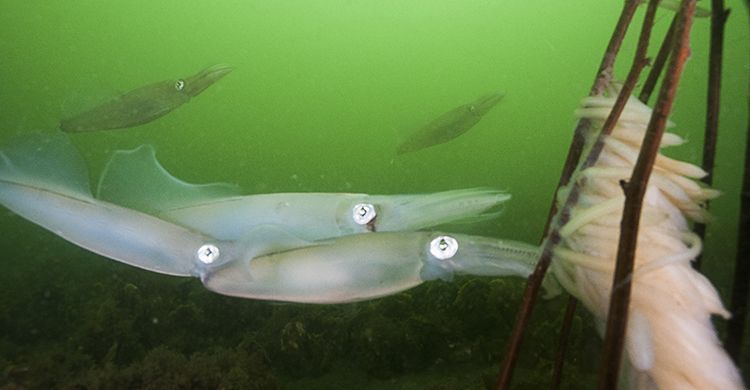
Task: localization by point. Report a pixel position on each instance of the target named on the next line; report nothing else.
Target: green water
(321, 95)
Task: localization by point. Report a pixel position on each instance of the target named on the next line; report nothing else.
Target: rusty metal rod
(603, 78)
(658, 64)
(634, 191)
(534, 282)
(741, 283)
(738, 306)
(718, 19)
(656, 68)
(562, 344)
(639, 63)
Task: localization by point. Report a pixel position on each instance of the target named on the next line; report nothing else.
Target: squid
(145, 104)
(44, 180)
(450, 124)
(370, 265)
(136, 179)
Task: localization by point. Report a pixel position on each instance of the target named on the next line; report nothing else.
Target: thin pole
(656, 69)
(658, 65)
(718, 20)
(534, 282)
(736, 325)
(634, 191)
(562, 344)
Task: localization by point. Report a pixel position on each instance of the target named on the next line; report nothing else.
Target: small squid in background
(145, 104)
(450, 124)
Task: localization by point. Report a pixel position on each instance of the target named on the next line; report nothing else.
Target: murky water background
(321, 95)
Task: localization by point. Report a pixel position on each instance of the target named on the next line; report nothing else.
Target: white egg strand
(670, 340)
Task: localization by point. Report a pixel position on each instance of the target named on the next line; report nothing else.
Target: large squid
(135, 179)
(44, 179)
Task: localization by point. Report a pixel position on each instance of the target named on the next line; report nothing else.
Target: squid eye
(208, 253)
(363, 213)
(443, 247)
(179, 84)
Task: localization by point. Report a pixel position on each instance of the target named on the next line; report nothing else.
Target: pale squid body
(135, 179)
(365, 266)
(43, 179)
(670, 341)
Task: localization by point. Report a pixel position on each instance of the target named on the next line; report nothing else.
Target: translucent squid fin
(135, 179)
(47, 161)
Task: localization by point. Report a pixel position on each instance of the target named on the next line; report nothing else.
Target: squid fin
(136, 179)
(47, 161)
